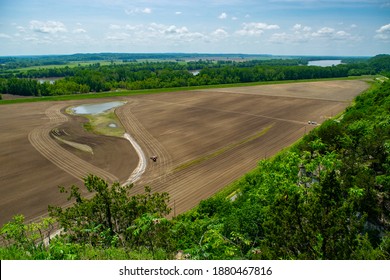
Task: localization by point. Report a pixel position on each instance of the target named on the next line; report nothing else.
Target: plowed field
(203, 139)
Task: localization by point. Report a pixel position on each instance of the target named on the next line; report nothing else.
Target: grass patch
(106, 123)
(222, 150)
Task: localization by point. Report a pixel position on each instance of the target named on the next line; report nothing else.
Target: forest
(16, 62)
(139, 75)
(327, 197)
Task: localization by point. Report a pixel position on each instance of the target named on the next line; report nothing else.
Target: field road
(150, 145)
(142, 163)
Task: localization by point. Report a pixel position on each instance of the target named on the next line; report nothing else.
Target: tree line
(168, 74)
(15, 62)
(327, 197)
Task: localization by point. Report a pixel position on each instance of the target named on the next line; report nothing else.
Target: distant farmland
(204, 140)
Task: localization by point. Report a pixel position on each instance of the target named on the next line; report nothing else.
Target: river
(324, 63)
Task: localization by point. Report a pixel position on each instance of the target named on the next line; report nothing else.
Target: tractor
(154, 158)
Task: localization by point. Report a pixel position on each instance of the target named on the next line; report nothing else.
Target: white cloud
(31, 38)
(5, 36)
(154, 32)
(178, 13)
(255, 28)
(171, 32)
(222, 16)
(138, 11)
(332, 34)
(147, 11)
(342, 35)
(50, 27)
(21, 28)
(383, 33)
(115, 27)
(117, 36)
(324, 32)
(131, 27)
(281, 38)
(175, 30)
(299, 28)
(219, 34)
(79, 31)
(289, 38)
(303, 34)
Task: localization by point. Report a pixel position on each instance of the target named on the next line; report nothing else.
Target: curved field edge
(40, 139)
(176, 89)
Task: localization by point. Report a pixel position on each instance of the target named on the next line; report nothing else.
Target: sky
(277, 27)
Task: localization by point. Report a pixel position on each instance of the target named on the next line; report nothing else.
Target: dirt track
(203, 140)
(142, 161)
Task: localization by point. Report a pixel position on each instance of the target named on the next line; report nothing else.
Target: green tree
(107, 217)
(26, 241)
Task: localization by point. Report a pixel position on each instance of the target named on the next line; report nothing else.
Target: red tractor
(154, 158)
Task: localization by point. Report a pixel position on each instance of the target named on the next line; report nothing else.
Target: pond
(324, 63)
(48, 80)
(195, 72)
(93, 109)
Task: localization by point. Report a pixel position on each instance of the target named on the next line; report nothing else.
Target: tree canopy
(135, 75)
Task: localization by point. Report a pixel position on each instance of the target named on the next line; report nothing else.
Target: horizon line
(184, 53)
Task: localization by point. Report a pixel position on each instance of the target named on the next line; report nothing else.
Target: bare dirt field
(204, 140)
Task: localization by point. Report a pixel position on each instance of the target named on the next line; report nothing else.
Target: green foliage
(151, 231)
(25, 241)
(110, 219)
(380, 62)
(327, 197)
(111, 216)
(97, 77)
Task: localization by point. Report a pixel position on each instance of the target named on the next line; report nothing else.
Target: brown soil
(34, 164)
(204, 140)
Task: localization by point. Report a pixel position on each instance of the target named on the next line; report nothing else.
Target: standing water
(324, 63)
(93, 109)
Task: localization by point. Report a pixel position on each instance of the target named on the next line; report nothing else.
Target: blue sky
(279, 27)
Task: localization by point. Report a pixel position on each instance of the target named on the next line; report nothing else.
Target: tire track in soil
(227, 111)
(40, 139)
(162, 179)
(149, 144)
(234, 161)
